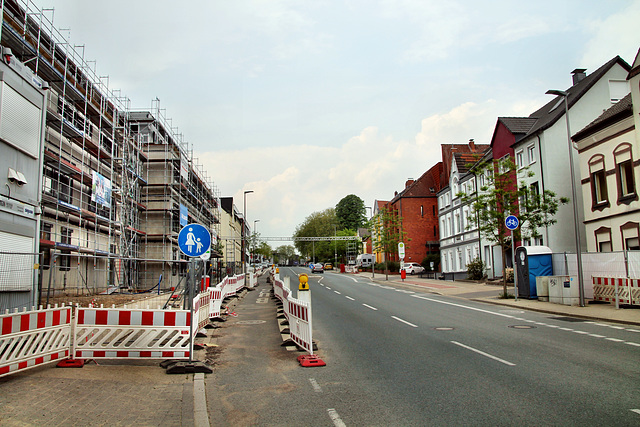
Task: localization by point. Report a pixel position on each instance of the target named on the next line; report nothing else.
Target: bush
(475, 269)
(432, 258)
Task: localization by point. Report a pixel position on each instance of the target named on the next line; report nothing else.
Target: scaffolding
(114, 179)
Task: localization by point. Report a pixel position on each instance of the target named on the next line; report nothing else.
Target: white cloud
(616, 35)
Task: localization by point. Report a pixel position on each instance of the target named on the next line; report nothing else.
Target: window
(487, 256)
(618, 89)
(630, 232)
(598, 178)
(65, 235)
(422, 210)
(455, 187)
(45, 230)
(603, 239)
(624, 173)
(520, 159)
(457, 230)
(531, 153)
(471, 186)
(534, 194)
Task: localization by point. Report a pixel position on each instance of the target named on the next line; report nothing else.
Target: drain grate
(568, 319)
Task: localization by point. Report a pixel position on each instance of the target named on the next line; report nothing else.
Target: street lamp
(335, 246)
(373, 265)
(565, 95)
(244, 225)
(254, 246)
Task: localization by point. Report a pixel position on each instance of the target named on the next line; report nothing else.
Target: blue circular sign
(194, 240)
(511, 222)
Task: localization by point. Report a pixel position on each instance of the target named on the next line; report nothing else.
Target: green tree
(501, 196)
(285, 254)
(318, 224)
(387, 231)
(350, 212)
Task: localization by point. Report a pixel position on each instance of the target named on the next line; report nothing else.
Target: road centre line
(337, 292)
(315, 385)
(348, 297)
(506, 362)
(337, 421)
(404, 321)
(372, 308)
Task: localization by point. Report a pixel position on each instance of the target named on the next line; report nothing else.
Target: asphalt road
(396, 357)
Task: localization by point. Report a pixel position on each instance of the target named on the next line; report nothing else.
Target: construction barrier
(113, 333)
(628, 290)
(297, 313)
(34, 338)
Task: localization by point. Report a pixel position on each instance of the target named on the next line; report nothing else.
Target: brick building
(417, 204)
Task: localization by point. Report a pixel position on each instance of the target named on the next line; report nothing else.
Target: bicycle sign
(194, 240)
(511, 222)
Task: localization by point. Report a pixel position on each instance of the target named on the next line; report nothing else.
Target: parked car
(317, 268)
(328, 266)
(413, 268)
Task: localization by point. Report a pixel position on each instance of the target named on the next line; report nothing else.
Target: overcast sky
(305, 102)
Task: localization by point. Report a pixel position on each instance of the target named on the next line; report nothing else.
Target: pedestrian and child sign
(194, 240)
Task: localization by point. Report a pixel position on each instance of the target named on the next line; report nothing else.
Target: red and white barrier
(298, 314)
(604, 289)
(33, 338)
(113, 333)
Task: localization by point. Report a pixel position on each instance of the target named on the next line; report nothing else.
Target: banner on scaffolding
(100, 189)
(184, 215)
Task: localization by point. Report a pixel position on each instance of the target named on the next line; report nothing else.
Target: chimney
(578, 75)
(472, 145)
(409, 182)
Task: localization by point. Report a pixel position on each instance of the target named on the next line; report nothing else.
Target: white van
(365, 260)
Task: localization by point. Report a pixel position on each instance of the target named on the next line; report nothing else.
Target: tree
(285, 254)
(318, 224)
(350, 212)
(387, 232)
(501, 196)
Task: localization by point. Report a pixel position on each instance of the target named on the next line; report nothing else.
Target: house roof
(549, 113)
(425, 186)
(620, 110)
(447, 156)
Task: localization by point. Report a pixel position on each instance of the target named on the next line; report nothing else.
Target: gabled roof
(447, 156)
(549, 113)
(464, 160)
(620, 110)
(425, 186)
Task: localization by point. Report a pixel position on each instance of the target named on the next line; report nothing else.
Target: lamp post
(244, 226)
(335, 246)
(565, 95)
(254, 243)
(373, 265)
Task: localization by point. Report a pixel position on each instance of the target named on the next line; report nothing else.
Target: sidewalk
(489, 294)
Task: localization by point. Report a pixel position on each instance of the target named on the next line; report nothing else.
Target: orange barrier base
(310, 360)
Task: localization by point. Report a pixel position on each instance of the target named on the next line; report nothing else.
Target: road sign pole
(513, 262)
(191, 284)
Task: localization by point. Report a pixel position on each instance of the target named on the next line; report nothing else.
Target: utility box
(531, 262)
(542, 288)
(564, 290)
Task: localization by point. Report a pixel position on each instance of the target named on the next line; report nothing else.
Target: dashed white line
(348, 297)
(614, 339)
(372, 308)
(404, 321)
(337, 421)
(635, 344)
(637, 411)
(596, 335)
(337, 292)
(315, 385)
(506, 362)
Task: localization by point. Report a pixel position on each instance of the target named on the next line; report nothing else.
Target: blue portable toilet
(540, 263)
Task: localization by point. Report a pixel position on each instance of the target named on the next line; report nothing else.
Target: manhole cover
(443, 328)
(522, 326)
(250, 322)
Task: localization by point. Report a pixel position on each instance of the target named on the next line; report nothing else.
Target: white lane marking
(333, 414)
(328, 287)
(354, 279)
(532, 321)
(637, 411)
(337, 292)
(368, 306)
(348, 297)
(464, 306)
(404, 291)
(635, 344)
(506, 362)
(315, 385)
(404, 321)
(596, 335)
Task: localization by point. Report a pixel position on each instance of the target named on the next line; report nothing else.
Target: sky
(306, 102)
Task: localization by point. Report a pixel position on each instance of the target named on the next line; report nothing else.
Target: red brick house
(417, 204)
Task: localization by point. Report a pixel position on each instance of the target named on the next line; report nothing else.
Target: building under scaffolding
(117, 184)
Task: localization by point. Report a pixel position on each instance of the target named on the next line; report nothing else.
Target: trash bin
(342, 268)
